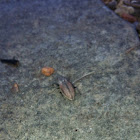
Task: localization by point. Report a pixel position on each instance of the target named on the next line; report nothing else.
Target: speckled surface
(74, 38)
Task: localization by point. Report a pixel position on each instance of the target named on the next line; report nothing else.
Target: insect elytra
(66, 88)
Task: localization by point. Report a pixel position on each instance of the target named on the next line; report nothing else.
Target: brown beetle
(66, 88)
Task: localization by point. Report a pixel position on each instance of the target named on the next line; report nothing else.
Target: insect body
(66, 88)
(12, 62)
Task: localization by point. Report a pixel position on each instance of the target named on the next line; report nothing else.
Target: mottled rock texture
(74, 37)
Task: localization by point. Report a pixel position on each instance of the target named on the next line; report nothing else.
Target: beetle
(66, 87)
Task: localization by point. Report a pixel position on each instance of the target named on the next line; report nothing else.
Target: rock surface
(74, 38)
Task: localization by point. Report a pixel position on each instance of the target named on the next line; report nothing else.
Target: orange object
(47, 71)
(15, 88)
(128, 17)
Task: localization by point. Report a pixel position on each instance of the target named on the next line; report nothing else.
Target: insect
(12, 62)
(66, 88)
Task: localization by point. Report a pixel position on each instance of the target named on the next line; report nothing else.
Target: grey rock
(74, 37)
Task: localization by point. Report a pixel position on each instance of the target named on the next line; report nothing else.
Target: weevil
(66, 87)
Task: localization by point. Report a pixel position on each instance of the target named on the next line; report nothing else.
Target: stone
(47, 71)
(128, 17)
(122, 8)
(74, 37)
(15, 88)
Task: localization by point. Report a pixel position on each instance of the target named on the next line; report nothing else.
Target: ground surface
(74, 38)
